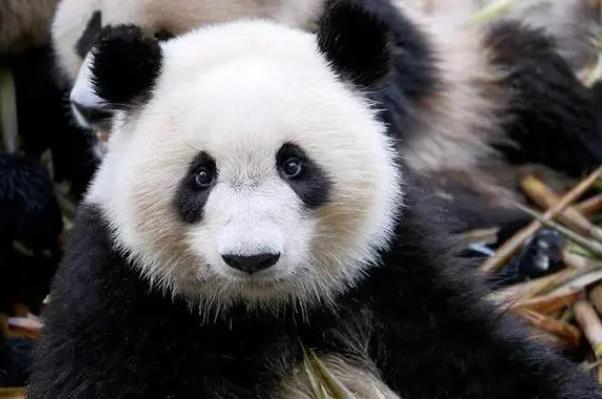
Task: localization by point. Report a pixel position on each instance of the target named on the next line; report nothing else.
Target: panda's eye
(204, 177)
(292, 168)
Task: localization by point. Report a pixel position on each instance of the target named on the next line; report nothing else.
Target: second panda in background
(250, 207)
(471, 106)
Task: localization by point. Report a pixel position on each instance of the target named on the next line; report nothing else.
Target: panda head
(78, 24)
(245, 165)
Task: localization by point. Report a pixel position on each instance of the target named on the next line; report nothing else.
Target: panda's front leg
(336, 374)
(438, 336)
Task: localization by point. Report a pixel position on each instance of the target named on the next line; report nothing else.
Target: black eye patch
(303, 175)
(195, 188)
(90, 36)
(164, 35)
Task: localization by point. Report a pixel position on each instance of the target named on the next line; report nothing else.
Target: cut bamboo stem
(577, 261)
(591, 206)
(509, 248)
(591, 245)
(547, 304)
(529, 289)
(590, 323)
(566, 332)
(545, 198)
(595, 297)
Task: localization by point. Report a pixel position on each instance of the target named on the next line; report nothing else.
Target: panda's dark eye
(303, 175)
(204, 177)
(292, 167)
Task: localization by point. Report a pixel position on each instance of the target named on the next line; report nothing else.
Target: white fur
(83, 93)
(575, 24)
(175, 16)
(239, 92)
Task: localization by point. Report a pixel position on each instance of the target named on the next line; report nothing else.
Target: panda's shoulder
(95, 281)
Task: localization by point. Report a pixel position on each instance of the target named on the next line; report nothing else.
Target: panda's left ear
(125, 65)
(357, 43)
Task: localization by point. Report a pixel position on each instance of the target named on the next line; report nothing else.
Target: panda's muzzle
(251, 264)
(91, 116)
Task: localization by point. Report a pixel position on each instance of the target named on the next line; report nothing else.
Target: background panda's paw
(540, 257)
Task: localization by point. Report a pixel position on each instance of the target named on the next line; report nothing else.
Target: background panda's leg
(553, 119)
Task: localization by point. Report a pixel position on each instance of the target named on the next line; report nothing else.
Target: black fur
(29, 211)
(43, 118)
(417, 318)
(413, 78)
(90, 35)
(125, 65)
(190, 199)
(356, 42)
(15, 361)
(164, 35)
(313, 185)
(554, 119)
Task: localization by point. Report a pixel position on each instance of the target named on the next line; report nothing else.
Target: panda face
(251, 173)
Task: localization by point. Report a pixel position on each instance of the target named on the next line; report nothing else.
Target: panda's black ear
(125, 65)
(357, 43)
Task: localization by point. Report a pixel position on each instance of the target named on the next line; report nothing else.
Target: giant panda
(251, 207)
(78, 23)
(480, 104)
(27, 69)
(576, 25)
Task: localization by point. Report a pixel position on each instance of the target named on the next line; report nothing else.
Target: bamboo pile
(563, 308)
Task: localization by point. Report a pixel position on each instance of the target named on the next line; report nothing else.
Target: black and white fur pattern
(78, 23)
(576, 25)
(251, 138)
(466, 102)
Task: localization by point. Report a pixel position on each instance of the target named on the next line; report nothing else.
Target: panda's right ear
(357, 43)
(125, 66)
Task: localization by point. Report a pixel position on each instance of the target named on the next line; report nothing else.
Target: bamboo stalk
(594, 246)
(550, 303)
(510, 247)
(529, 289)
(576, 261)
(566, 332)
(12, 393)
(564, 281)
(545, 197)
(9, 141)
(590, 323)
(29, 326)
(578, 279)
(590, 206)
(334, 385)
(595, 297)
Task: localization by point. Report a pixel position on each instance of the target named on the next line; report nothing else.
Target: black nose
(251, 264)
(92, 115)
